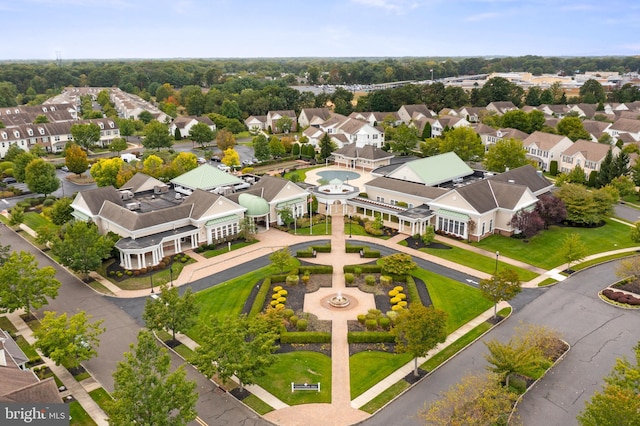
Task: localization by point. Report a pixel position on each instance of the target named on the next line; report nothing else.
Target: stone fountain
(339, 301)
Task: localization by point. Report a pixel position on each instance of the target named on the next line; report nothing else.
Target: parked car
(64, 169)
(9, 180)
(224, 167)
(215, 158)
(201, 160)
(247, 162)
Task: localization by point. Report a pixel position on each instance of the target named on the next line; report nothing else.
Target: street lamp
(151, 281)
(295, 220)
(171, 275)
(497, 256)
(349, 225)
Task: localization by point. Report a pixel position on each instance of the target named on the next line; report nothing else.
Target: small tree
(82, 248)
(429, 235)
(68, 341)
(551, 209)
(118, 145)
(528, 223)
(156, 136)
(505, 285)
(171, 311)
(282, 259)
(241, 346)
(41, 178)
(16, 216)
(419, 329)
(61, 211)
(147, 392)
(201, 134)
(573, 249)
(231, 157)
(25, 284)
(225, 139)
(75, 159)
(553, 167)
(396, 264)
(635, 232)
(512, 358)
(286, 215)
(85, 135)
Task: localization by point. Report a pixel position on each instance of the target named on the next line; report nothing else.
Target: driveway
(598, 334)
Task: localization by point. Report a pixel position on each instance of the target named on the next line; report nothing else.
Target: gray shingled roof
(95, 198)
(527, 176)
(134, 221)
(409, 188)
(486, 195)
(368, 152)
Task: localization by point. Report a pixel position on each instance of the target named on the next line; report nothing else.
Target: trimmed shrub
(393, 293)
(302, 324)
(402, 303)
(261, 297)
(396, 308)
(273, 303)
(349, 278)
(305, 337)
(275, 296)
(385, 323)
(399, 288)
(386, 280)
(293, 319)
(316, 269)
(370, 280)
(357, 271)
(277, 288)
(371, 269)
(392, 315)
(395, 300)
(370, 337)
(362, 318)
(412, 290)
(279, 307)
(281, 299)
(292, 280)
(326, 248)
(371, 254)
(371, 324)
(283, 292)
(353, 249)
(305, 278)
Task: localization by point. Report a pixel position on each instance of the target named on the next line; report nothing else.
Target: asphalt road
(627, 213)
(214, 407)
(598, 334)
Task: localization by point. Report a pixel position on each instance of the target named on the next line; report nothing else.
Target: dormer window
(30, 131)
(17, 111)
(16, 134)
(101, 125)
(44, 109)
(41, 130)
(4, 135)
(53, 108)
(111, 124)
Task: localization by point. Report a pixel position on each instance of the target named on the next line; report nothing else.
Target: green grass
(26, 348)
(258, 405)
(368, 368)
(477, 261)
(436, 360)
(212, 253)
(300, 173)
(298, 367)
(226, 299)
(7, 325)
(159, 278)
(632, 201)
(543, 250)
(97, 286)
(462, 302)
(602, 259)
(379, 401)
(184, 352)
(79, 417)
(34, 221)
(100, 396)
(547, 282)
(319, 228)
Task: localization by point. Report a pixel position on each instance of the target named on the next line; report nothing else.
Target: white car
(224, 167)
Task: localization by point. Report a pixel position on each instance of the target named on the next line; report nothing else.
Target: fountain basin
(339, 301)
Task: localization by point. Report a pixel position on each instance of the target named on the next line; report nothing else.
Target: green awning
(286, 204)
(80, 216)
(229, 218)
(452, 215)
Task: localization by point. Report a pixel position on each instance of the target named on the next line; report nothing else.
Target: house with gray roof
(274, 116)
(184, 124)
(367, 157)
(501, 107)
(586, 154)
(625, 125)
(544, 148)
(408, 113)
(313, 117)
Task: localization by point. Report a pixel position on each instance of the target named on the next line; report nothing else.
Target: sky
(118, 29)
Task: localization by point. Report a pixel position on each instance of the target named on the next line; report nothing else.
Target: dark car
(9, 180)
(215, 158)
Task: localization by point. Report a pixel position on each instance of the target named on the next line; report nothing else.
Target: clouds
(397, 6)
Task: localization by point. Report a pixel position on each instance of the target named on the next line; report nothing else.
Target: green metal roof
(256, 206)
(439, 168)
(81, 216)
(228, 218)
(205, 177)
(452, 215)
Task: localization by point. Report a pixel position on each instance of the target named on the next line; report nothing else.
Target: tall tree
(201, 134)
(284, 124)
(147, 392)
(618, 403)
(504, 285)
(157, 136)
(118, 145)
(105, 171)
(20, 164)
(40, 177)
(75, 158)
(404, 140)
(326, 146)
(464, 141)
(24, 284)
(225, 139)
(527, 223)
(171, 311)
(231, 157)
(85, 135)
(68, 341)
(551, 209)
(418, 330)
(607, 169)
(261, 147)
(592, 92)
(506, 153)
(276, 148)
(573, 249)
(61, 211)
(82, 248)
(572, 128)
(241, 346)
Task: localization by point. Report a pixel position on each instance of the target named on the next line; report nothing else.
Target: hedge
(308, 252)
(371, 269)
(305, 337)
(316, 269)
(353, 249)
(261, 297)
(368, 253)
(412, 290)
(326, 248)
(370, 337)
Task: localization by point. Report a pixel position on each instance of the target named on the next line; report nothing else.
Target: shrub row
(326, 248)
(620, 297)
(370, 337)
(412, 290)
(305, 337)
(315, 269)
(371, 269)
(261, 297)
(305, 253)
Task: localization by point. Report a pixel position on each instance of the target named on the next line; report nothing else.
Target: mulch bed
(632, 287)
(412, 378)
(417, 243)
(240, 394)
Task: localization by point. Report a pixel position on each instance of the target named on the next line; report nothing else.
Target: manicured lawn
(212, 253)
(379, 401)
(226, 299)
(592, 262)
(26, 348)
(298, 367)
(477, 261)
(143, 281)
(455, 347)
(7, 325)
(258, 405)
(100, 396)
(462, 302)
(34, 221)
(547, 282)
(543, 250)
(319, 228)
(368, 368)
(79, 417)
(300, 173)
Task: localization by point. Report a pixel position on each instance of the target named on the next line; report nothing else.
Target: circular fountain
(339, 301)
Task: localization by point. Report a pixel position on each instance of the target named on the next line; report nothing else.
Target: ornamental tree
(75, 159)
(85, 135)
(171, 311)
(397, 264)
(41, 178)
(82, 248)
(504, 285)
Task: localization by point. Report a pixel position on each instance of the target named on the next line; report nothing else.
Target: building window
(490, 225)
(452, 226)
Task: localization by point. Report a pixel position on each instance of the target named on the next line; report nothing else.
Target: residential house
(595, 128)
(24, 114)
(408, 113)
(447, 122)
(184, 124)
(471, 114)
(256, 122)
(587, 111)
(313, 117)
(625, 125)
(344, 130)
(366, 157)
(586, 154)
(557, 111)
(544, 148)
(376, 118)
(274, 116)
(491, 136)
(501, 107)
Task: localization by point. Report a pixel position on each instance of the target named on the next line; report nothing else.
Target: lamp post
(171, 275)
(310, 216)
(326, 219)
(497, 256)
(349, 225)
(295, 220)
(151, 281)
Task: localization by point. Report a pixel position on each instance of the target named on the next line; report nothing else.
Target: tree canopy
(82, 248)
(505, 153)
(41, 177)
(171, 311)
(157, 136)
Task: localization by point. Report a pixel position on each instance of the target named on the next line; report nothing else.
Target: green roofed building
(205, 177)
(432, 171)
